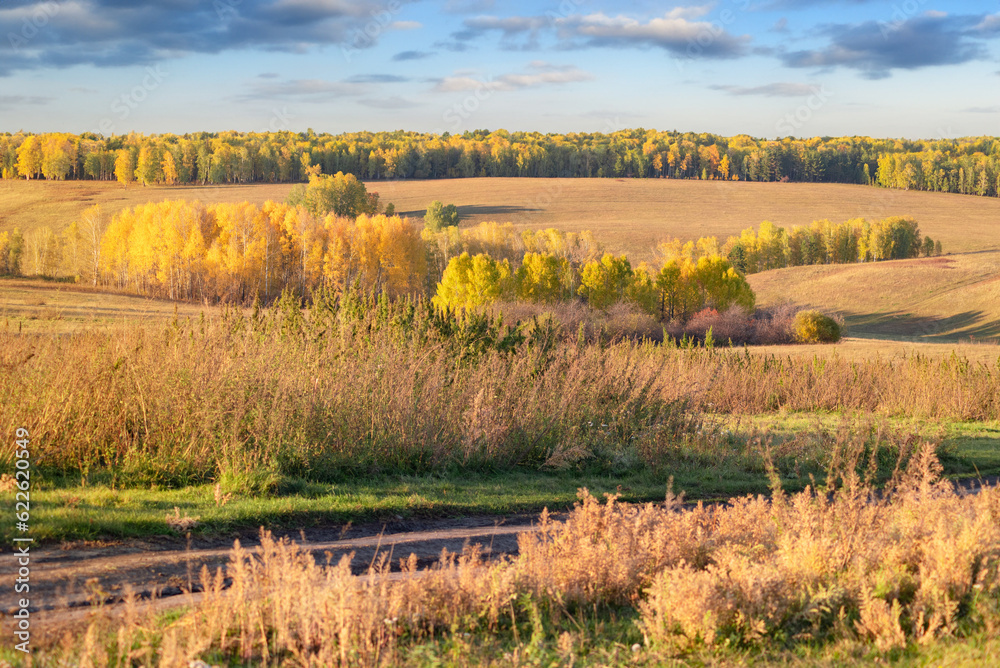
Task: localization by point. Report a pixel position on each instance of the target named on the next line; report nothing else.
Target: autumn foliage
(235, 252)
(969, 165)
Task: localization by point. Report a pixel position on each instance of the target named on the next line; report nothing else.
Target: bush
(814, 327)
(440, 216)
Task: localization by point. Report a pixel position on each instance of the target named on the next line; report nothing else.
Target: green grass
(65, 509)
(968, 449)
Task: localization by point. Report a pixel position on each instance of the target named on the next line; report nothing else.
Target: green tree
(928, 247)
(439, 216)
(721, 286)
(341, 194)
(148, 168)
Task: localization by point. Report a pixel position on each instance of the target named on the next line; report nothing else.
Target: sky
(767, 68)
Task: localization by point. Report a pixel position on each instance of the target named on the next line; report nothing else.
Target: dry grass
(860, 350)
(956, 297)
(31, 204)
(630, 215)
(45, 307)
(633, 215)
(368, 390)
(230, 399)
(823, 567)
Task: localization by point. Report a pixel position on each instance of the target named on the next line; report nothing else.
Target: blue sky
(769, 68)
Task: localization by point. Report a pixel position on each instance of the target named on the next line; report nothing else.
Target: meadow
(629, 216)
(953, 299)
(356, 410)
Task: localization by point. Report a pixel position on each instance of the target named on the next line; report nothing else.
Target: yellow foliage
(471, 282)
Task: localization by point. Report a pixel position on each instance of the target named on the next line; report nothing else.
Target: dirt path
(67, 581)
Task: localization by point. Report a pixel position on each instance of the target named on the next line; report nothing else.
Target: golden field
(950, 299)
(629, 216)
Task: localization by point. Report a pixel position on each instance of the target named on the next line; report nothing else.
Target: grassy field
(952, 298)
(632, 215)
(31, 204)
(141, 406)
(49, 307)
(629, 216)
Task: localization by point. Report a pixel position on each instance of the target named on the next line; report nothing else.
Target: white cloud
(406, 25)
(538, 73)
(675, 32)
(771, 90)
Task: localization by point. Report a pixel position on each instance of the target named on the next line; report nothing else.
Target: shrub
(440, 216)
(814, 327)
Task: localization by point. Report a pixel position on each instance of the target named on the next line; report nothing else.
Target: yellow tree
(228, 258)
(124, 167)
(541, 278)
(169, 167)
(92, 226)
(303, 244)
(72, 250)
(58, 156)
(29, 157)
(42, 250)
(724, 167)
(471, 282)
(604, 282)
(114, 255)
(5, 268)
(401, 253)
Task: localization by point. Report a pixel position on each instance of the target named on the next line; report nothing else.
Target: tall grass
(820, 568)
(368, 387)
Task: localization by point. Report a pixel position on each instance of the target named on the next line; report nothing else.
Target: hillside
(626, 215)
(950, 298)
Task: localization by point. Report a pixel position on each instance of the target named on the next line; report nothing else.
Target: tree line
(822, 242)
(968, 165)
(673, 293)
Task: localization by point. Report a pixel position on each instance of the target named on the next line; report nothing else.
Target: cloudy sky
(898, 68)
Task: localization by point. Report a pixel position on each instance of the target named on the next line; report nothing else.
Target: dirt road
(69, 581)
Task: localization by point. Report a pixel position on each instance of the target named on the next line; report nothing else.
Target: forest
(969, 165)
